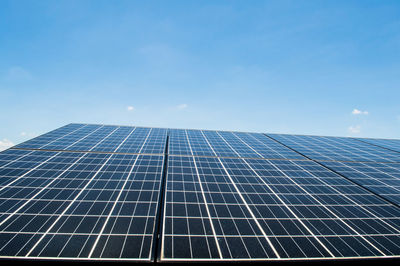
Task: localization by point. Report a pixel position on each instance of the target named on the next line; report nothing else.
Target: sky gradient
(301, 67)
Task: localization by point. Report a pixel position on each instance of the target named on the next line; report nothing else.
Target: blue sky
(306, 67)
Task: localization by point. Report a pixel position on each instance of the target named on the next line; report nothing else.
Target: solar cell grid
(219, 146)
(247, 145)
(90, 205)
(178, 143)
(392, 144)
(52, 136)
(381, 178)
(266, 147)
(156, 142)
(98, 192)
(336, 148)
(241, 148)
(59, 143)
(307, 214)
(88, 142)
(112, 141)
(198, 143)
(107, 139)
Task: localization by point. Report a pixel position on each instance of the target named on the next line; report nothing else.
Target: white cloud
(182, 106)
(27, 134)
(359, 112)
(5, 144)
(354, 129)
(18, 73)
(130, 108)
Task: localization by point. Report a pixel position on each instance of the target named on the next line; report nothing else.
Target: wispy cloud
(5, 144)
(359, 112)
(182, 106)
(354, 129)
(130, 108)
(27, 134)
(18, 73)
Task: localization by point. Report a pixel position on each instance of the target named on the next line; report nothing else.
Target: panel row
(337, 148)
(226, 144)
(392, 144)
(124, 139)
(121, 139)
(99, 138)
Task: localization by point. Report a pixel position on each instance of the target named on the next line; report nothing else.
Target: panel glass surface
(79, 193)
(79, 205)
(52, 136)
(245, 209)
(336, 148)
(232, 206)
(227, 144)
(101, 138)
(263, 146)
(381, 178)
(100, 192)
(392, 144)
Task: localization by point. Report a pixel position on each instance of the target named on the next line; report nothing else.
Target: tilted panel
(336, 148)
(44, 140)
(392, 144)
(266, 147)
(380, 178)
(81, 205)
(249, 209)
(178, 142)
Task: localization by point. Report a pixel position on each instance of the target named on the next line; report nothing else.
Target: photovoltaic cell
(99, 192)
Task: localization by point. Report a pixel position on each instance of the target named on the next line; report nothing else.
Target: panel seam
(332, 170)
(157, 237)
(376, 145)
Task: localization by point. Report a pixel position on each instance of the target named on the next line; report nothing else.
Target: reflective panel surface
(121, 193)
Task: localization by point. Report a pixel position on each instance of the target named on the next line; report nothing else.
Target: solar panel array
(96, 192)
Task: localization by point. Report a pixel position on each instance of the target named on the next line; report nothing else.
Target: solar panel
(336, 148)
(99, 202)
(226, 208)
(381, 178)
(392, 144)
(227, 144)
(73, 130)
(119, 193)
(98, 138)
